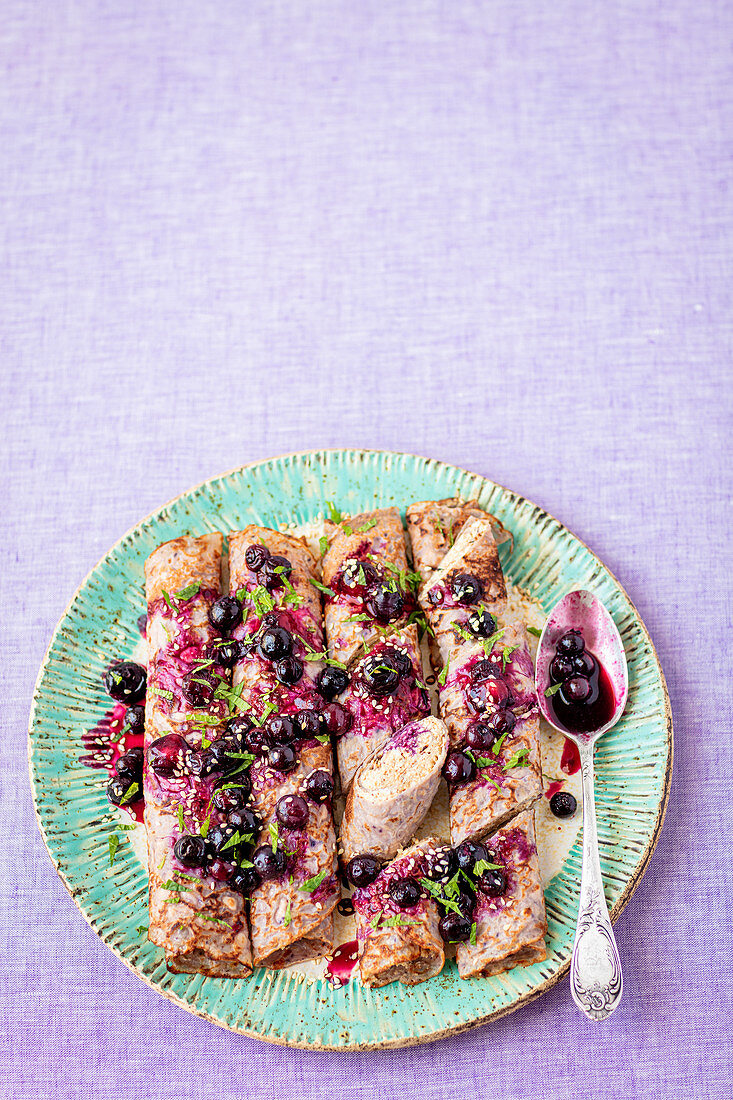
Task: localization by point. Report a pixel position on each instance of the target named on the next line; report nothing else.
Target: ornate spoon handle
(595, 971)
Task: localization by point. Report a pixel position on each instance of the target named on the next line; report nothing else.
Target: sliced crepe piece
(510, 929)
(396, 944)
(392, 791)
(367, 582)
(291, 915)
(198, 919)
(486, 683)
(374, 713)
(433, 527)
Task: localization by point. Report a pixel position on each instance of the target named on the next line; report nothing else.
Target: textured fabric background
(497, 233)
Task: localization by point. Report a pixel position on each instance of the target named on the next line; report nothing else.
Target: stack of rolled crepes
(196, 915)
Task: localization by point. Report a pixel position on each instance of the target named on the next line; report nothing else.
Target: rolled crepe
(433, 527)
(396, 944)
(367, 552)
(375, 718)
(392, 791)
(198, 920)
(509, 775)
(510, 930)
(291, 917)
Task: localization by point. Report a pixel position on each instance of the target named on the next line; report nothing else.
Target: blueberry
(466, 903)
(481, 624)
(198, 688)
(190, 851)
(233, 798)
(310, 723)
(400, 659)
(466, 588)
(480, 737)
(362, 870)
(331, 682)
(167, 754)
(201, 763)
(281, 729)
(379, 675)
(501, 721)
(583, 664)
(246, 823)
(455, 928)
(492, 882)
(130, 766)
(563, 804)
(225, 614)
(292, 811)
(256, 556)
(319, 786)
(561, 668)
(483, 669)
(356, 577)
(134, 721)
(275, 571)
(571, 643)
(275, 642)
(575, 690)
(436, 596)
(441, 864)
(385, 604)
(282, 758)
(458, 768)
(126, 682)
(244, 880)
(404, 892)
(469, 853)
(267, 863)
(338, 720)
(289, 670)
(220, 758)
(218, 840)
(225, 652)
(117, 790)
(240, 727)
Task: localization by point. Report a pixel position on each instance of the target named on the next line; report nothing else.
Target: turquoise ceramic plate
(633, 762)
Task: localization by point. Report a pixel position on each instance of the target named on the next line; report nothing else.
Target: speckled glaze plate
(100, 624)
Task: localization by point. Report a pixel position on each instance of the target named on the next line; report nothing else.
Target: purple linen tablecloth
(496, 233)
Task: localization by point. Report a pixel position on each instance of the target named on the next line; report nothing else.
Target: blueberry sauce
(581, 696)
(339, 969)
(106, 743)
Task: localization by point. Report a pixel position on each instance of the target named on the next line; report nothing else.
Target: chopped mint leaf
(346, 529)
(167, 598)
(322, 587)
(484, 761)
(397, 922)
(360, 618)
(333, 512)
(367, 526)
(288, 917)
(375, 920)
(443, 675)
(496, 747)
(189, 591)
(472, 938)
(233, 841)
(204, 827)
(181, 822)
(552, 690)
(323, 738)
(533, 630)
(482, 865)
(312, 884)
(323, 545)
(274, 832)
(262, 601)
(519, 759)
(141, 928)
(130, 793)
(127, 828)
(114, 843)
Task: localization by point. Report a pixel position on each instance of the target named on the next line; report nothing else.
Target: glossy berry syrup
(594, 703)
(105, 743)
(340, 967)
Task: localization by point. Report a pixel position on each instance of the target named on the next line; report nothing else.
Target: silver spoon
(596, 981)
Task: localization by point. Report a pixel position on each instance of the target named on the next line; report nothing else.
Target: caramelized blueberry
(281, 729)
(404, 892)
(244, 880)
(275, 642)
(245, 822)
(318, 786)
(385, 604)
(167, 754)
(134, 721)
(275, 572)
(130, 765)
(458, 768)
(481, 624)
(225, 652)
(225, 613)
(356, 577)
(480, 737)
(338, 719)
(469, 853)
(455, 928)
(255, 556)
(289, 670)
(575, 690)
(501, 721)
(118, 790)
(197, 688)
(441, 864)
(332, 681)
(190, 851)
(309, 723)
(292, 811)
(126, 682)
(282, 758)
(583, 664)
(492, 882)
(267, 863)
(466, 588)
(232, 798)
(400, 659)
(362, 870)
(561, 668)
(379, 675)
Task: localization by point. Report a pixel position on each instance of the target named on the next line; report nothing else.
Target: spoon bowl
(596, 981)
